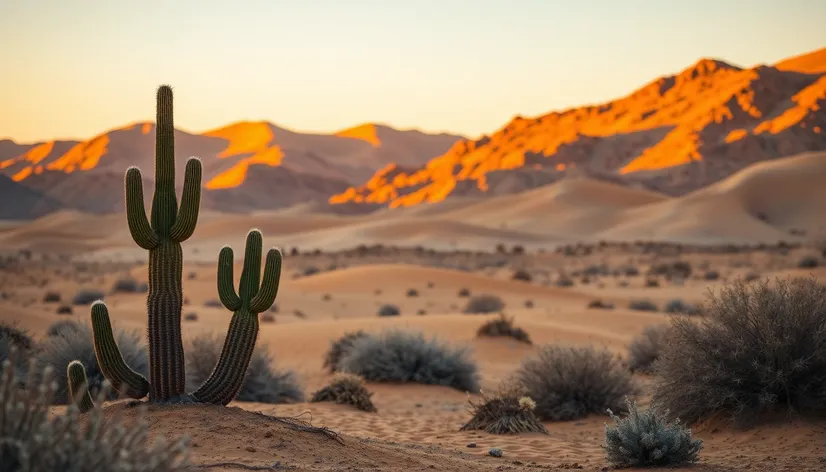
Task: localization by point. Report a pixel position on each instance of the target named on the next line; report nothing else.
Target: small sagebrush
(400, 356)
(502, 326)
(87, 296)
(339, 347)
(262, 384)
(568, 383)
(484, 303)
(33, 440)
(507, 412)
(647, 439)
(346, 389)
(760, 348)
(78, 344)
(645, 349)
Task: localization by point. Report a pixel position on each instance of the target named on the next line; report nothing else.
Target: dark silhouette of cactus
(161, 234)
(252, 298)
(79, 387)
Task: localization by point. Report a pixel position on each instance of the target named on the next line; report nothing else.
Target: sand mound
(233, 435)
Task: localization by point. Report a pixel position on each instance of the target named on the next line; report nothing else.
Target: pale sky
(77, 68)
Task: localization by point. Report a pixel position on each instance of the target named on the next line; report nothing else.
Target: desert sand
(417, 426)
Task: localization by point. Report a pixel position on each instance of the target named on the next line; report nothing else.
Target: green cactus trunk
(167, 375)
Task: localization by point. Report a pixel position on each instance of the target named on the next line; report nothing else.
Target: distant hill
(674, 135)
(20, 202)
(247, 165)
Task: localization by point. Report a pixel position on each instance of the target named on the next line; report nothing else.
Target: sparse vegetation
(346, 389)
(483, 304)
(399, 356)
(35, 440)
(126, 284)
(87, 296)
(59, 327)
(568, 383)
(51, 297)
(647, 439)
(642, 305)
(502, 326)
(645, 349)
(680, 307)
(262, 383)
(760, 348)
(340, 347)
(507, 412)
(808, 262)
(464, 292)
(522, 275)
(412, 292)
(600, 305)
(389, 310)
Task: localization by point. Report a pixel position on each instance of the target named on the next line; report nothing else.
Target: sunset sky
(73, 69)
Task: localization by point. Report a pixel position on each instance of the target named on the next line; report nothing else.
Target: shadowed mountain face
(18, 202)
(674, 135)
(247, 166)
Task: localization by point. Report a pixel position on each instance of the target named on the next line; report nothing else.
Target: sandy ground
(416, 427)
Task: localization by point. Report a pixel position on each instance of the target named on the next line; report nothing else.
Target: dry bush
(34, 440)
(600, 305)
(87, 296)
(680, 307)
(522, 275)
(647, 439)
(126, 284)
(645, 349)
(502, 326)
(642, 305)
(69, 345)
(346, 389)
(191, 316)
(51, 297)
(760, 348)
(568, 383)
(464, 292)
(399, 356)
(58, 327)
(15, 346)
(389, 310)
(340, 347)
(64, 310)
(485, 303)
(509, 411)
(262, 384)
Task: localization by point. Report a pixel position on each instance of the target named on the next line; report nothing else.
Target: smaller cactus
(253, 298)
(79, 387)
(124, 380)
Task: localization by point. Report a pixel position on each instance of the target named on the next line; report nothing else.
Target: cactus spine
(253, 298)
(161, 234)
(79, 387)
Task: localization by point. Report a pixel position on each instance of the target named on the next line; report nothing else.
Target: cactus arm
(164, 202)
(190, 201)
(228, 376)
(265, 297)
(226, 287)
(78, 387)
(123, 379)
(251, 274)
(139, 225)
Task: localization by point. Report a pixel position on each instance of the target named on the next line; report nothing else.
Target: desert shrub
(262, 384)
(399, 356)
(346, 389)
(568, 383)
(389, 310)
(311, 270)
(645, 349)
(58, 327)
(16, 336)
(412, 292)
(751, 276)
(808, 262)
(600, 305)
(464, 292)
(35, 440)
(57, 352)
(759, 348)
(64, 310)
(340, 347)
(51, 297)
(502, 326)
(642, 305)
(671, 270)
(267, 318)
(484, 303)
(564, 281)
(509, 411)
(522, 275)
(15, 346)
(646, 439)
(192, 316)
(213, 303)
(711, 275)
(87, 296)
(678, 306)
(125, 284)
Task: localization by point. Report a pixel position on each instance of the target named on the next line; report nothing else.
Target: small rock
(495, 452)
(250, 449)
(471, 445)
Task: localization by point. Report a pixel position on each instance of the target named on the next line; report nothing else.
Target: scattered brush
(759, 349)
(262, 383)
(646, 439)
(485, 303)
(399, 356)
(389, 310)
(346, 389)
(58, 327)
(87, 296)
(568, 383)
(340, 347)
(36, 440)
(645, 349)
(507, 412)
(503, 326)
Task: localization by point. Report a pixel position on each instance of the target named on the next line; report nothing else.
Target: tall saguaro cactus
(226, 379)
(161, 234)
